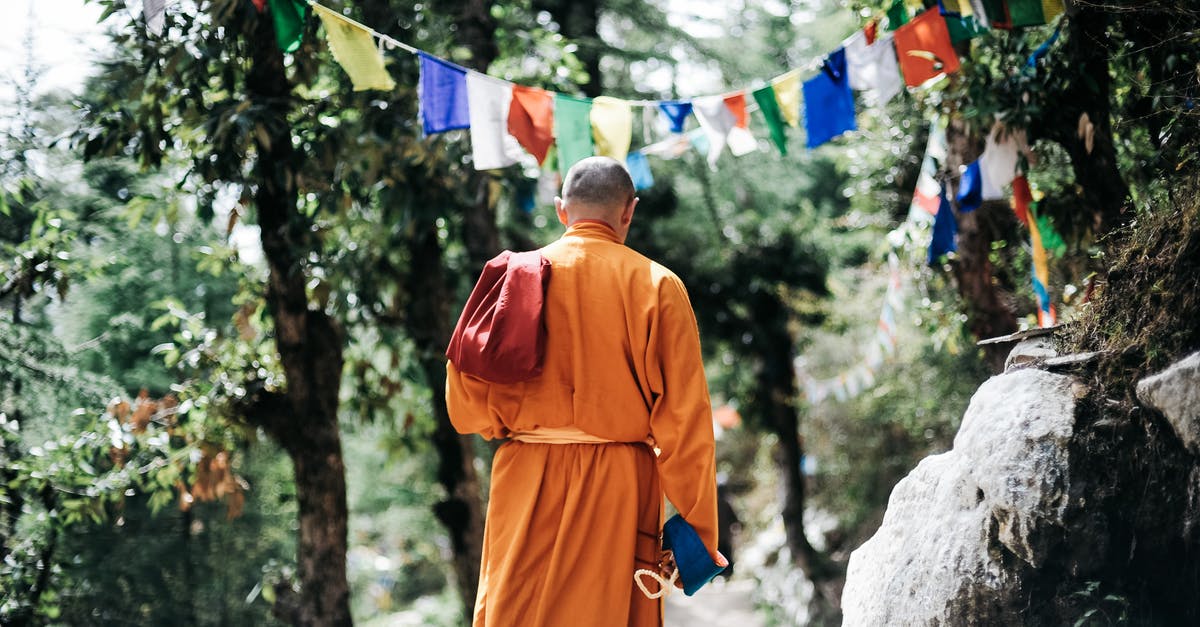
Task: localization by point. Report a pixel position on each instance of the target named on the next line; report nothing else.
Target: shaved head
(598, 183)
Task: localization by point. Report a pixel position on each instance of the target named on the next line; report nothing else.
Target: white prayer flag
(998, 163)
(488, 101)
(873, 68)
(717, 120)
(155, 14)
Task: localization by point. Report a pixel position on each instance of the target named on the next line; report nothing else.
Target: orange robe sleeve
(467, 402)
(681, 416)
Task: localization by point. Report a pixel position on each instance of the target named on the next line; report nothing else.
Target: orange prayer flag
(531, 119)
(737, 105)
(924, 48)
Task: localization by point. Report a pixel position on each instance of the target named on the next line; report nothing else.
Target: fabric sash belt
(558, 435)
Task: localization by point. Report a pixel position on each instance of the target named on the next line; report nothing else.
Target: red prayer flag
(261, 5)
(1022, 197)
(531, 119)
(737, 106)
(924, 48)
(871, 30)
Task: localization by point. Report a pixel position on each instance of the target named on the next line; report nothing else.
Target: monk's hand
(721, 561)
(666, 567)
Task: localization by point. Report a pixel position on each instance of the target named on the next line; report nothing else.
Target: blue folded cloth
(696, 566)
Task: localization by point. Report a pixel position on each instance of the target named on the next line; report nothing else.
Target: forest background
(223, 268)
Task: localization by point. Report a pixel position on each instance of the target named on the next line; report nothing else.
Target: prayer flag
(787, 93)
(970, 188)
(1026, 12)
(996, 12)
(1050, 238)
(1041, 266)
(1052, 9)
(531, 120)
(716, 120)
(768, 105)
(261, 5)
(612, 127)
(926, 196)
(354, 49)
(487, 105)
(963, 26)
(639, 170)
(998, 163)
(699, 140)
(924, 48)
(945, 228)
(741, 140)
(670, 148)
(443, 95)
(155, 14)
(897, 15)
(572, 130)
(871, 31)
(1022, 197)
(873, 68)
(676, 112)
(828, 101)
(1044, 48)
(288, 16)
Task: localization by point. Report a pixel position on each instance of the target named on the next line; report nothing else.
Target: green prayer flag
(1051, 240)
(289, 22)
(572, 130)
(897, 15)
(769, 106)
(1026, 12)
(963, 28)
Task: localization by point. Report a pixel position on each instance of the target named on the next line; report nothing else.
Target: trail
(721, 603)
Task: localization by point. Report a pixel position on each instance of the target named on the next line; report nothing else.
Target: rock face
(963, 527)
(1176, 393)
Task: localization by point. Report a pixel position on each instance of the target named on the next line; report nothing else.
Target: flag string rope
(396, 43)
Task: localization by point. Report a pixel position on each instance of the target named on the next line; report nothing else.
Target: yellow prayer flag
(612, 127)
(354, 49)
(1052, 9)
(787, 93)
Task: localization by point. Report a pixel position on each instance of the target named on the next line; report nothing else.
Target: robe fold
(568, 524)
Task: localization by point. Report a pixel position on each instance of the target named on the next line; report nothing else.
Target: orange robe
(568, 524)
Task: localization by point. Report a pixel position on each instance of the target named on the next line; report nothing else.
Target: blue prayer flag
(945, 228)
(970, 188)
(443, 95)
(639, 170)
(828, 101)
(676, 112)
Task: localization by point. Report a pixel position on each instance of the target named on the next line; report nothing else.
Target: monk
(618, 416)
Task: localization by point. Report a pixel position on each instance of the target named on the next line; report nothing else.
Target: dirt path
(719, 603)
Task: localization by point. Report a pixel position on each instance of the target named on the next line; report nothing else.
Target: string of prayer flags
(572, 130)
(970, 188)
(639, 170)
(488, 107)
(945, 231)
(828, 101)
(612, 127)
(443, 95)
(768, 106)
(925, 50)
(716, 120)
(873, 67)
(787, 93)
(741, 140)
(676, 113)
(155, 14)
(354, 49)
(288, 16)
(531, 120)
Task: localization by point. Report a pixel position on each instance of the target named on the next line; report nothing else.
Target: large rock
(962, 529)
(1176, 393)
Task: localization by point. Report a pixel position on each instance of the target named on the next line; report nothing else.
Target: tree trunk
(1086, 50)
(304, 418)
(579, 21)
(428, 317)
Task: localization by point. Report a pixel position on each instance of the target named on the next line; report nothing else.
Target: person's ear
(627, 213)
(561, 210)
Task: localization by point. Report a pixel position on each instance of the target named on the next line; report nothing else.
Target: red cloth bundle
(501, 335)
